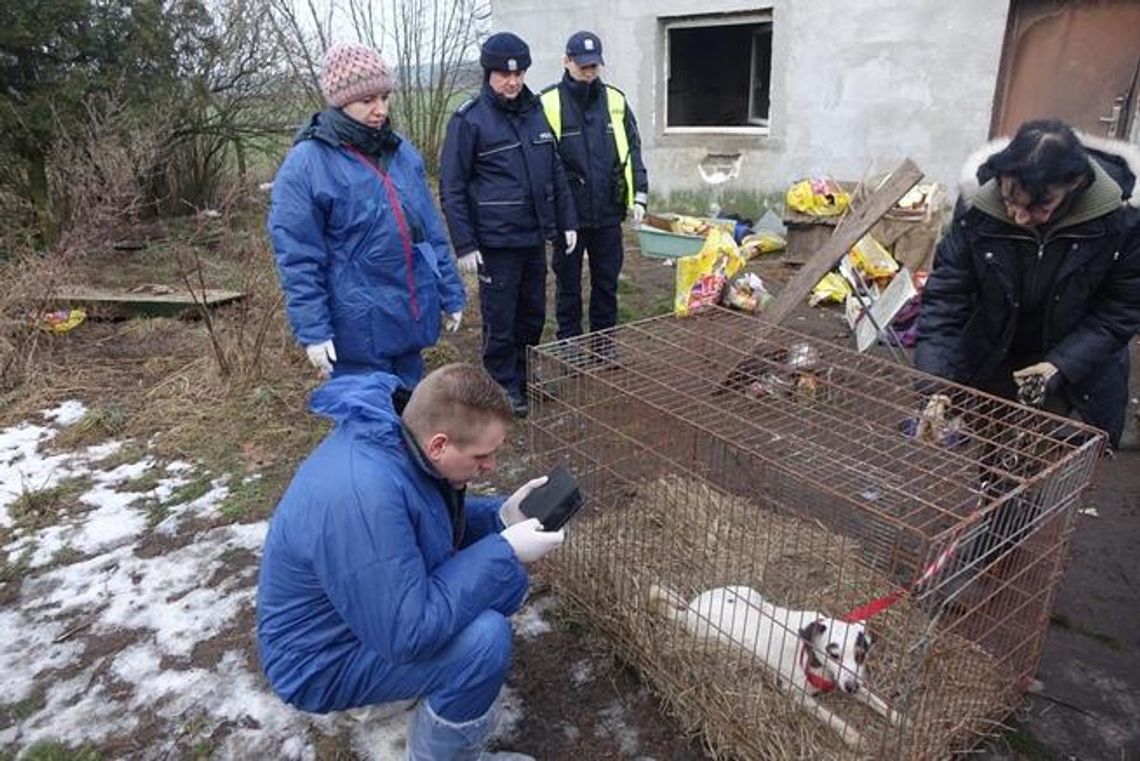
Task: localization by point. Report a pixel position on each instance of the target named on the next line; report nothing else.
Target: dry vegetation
(227, 389)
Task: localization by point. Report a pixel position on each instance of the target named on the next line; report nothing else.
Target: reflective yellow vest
(615, 104)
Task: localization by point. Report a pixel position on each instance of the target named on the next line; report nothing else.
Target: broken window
(718, 72)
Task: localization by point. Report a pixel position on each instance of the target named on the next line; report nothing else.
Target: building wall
(855, 86)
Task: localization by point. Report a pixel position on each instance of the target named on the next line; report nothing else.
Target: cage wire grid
(722, 451)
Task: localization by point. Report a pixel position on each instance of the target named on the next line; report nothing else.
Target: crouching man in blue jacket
(380, 581)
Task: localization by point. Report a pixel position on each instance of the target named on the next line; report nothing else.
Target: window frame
(749, 18)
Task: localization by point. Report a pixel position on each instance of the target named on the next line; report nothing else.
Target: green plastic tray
(665, 245)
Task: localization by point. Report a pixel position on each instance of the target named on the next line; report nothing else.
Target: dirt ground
(578, 701)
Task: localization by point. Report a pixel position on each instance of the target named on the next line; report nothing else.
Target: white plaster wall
(856, 86)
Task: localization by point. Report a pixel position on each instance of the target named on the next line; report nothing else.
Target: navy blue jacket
(983, 267)
(361, 554)
(362, 255)
(501, 184)
(590, 156)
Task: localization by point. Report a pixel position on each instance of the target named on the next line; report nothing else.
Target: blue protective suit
(367, 589)
(361, 251)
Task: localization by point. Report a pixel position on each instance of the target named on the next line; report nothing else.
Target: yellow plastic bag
(61, 321)
(701, 277)
(683, 225)
(819, 197)
(831, 288)
(872, 259)
(764, 242)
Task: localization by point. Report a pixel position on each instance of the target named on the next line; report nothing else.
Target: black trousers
(603, 249)
(512, 301)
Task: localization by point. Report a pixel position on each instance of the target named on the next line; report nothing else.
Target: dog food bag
(702, 276)
(872, 259)
(831, 288)
(818, 197)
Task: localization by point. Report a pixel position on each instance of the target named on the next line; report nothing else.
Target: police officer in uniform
(601, 151)
(504, 195)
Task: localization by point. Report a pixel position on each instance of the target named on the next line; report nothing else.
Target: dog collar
(820, 683)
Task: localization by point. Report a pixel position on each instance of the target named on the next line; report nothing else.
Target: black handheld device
(556, 501)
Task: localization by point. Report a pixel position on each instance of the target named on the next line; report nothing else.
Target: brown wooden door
(1078, 60)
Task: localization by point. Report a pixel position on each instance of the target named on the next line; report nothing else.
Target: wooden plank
(852, 227)
(155, 301)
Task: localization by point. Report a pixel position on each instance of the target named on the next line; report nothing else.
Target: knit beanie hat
(504, 52)
(351, 72)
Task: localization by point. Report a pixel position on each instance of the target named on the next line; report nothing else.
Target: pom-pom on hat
(504, 52)
(351, 72)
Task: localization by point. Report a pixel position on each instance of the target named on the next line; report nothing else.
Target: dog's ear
(812, 631)
(863, 643)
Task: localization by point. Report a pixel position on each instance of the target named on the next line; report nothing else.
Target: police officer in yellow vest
(601, 151)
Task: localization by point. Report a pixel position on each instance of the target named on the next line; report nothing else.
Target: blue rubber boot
(434, 738)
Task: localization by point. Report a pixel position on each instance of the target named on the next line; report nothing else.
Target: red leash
(878, 605)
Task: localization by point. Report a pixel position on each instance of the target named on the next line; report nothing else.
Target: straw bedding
(682, 533)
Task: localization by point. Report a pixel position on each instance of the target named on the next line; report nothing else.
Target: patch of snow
(530, 622)
(26, 650)
(23, 469)
(112, 522)
(510, 715)
(612, 723)
(382, 739)
(581, 672)
(160, 607)
(67, 413)
(97, 452)
(77, 711)
(204, 506)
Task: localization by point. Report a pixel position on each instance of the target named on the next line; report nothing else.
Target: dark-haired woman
(1038, 281)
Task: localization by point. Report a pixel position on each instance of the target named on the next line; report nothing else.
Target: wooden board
(153, 301)
(847, 233)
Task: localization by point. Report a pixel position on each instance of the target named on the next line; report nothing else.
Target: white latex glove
(571, 239)
(511, 511)
(322, 356)
(638, 213)
(1046, 370)
(530, 542)
(1033, 383)
(469, 263)
(453, 321)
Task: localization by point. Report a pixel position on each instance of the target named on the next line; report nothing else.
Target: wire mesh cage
(763, 507)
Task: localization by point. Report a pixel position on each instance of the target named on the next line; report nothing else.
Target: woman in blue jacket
(362, 254)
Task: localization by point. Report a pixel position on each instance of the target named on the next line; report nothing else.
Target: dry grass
(230, 393)
(690, 537)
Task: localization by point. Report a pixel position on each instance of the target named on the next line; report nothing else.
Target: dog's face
(837, 651)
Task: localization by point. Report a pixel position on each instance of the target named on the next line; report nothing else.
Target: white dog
(807, 652)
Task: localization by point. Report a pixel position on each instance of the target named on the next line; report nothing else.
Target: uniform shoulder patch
(467, 104)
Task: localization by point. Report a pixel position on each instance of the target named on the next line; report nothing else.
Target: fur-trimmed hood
(1121, 160)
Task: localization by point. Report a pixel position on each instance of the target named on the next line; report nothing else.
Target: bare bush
(30, 281)
(100, 171)
(432, 44)
(242, 337)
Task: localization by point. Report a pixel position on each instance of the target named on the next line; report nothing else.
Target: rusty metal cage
(720, 451)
